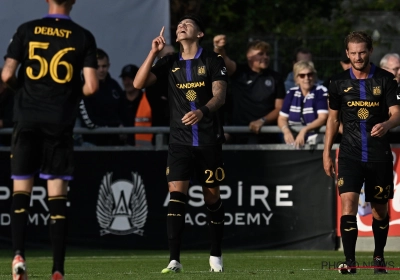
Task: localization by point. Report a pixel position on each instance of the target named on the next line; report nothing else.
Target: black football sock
(19, 221)
(58, 231)
(216, 214)
(176, 223)
(380, 230)
(349, 232)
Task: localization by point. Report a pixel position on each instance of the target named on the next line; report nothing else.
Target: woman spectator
(305, 105)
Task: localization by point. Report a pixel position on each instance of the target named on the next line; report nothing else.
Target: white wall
(123, 28)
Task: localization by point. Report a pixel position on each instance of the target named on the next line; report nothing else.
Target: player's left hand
(256, 125)
(379, 130)
(192, 117)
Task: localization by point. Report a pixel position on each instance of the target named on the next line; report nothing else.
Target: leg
(57, 195)
(348, 224)
(216, 215)
(380, 227)
(19, 214)
(176, 223)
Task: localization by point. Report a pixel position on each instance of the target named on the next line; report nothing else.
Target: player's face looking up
(358, 54)
(187, 29)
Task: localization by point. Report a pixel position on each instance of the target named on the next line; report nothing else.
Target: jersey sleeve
(16, 48)
(90, 59)
(287, 103)
(333, 96)
(392, 92)
(159, 68)
(217, 69)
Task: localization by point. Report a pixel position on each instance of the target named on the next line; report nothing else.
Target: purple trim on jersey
(49, 177)
(57, 16)
(364, 146)
(188, 70)
(195, 128)
(22, 177)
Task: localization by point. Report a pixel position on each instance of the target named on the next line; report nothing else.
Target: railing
(160, 143)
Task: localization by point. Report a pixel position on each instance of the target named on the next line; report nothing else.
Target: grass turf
(112, 265)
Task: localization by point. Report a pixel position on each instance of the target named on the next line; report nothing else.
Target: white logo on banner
(122, 206)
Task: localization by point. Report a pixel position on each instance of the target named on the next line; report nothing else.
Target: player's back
(52, 52)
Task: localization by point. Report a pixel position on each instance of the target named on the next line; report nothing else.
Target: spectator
(6, 111)
(103, 108)
(257, 90)
(391, 62)
(344, 62)
(157, 95)
(300, 54)
(135, 108)
(305, 105)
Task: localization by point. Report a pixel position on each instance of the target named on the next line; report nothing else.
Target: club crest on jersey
(268, 83)
(340, 182)
(121, 206)
(376, 90)
(201, 70)
(191, 95)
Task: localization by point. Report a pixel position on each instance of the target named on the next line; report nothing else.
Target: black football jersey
(363, 103)
(189, 88)
(52, 52)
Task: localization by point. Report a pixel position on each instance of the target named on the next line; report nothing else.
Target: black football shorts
(44, 148)
(377, 177)
(200, 165)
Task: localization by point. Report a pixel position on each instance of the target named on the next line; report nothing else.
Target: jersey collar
(370, 74)
(198, 53)
(57, 16)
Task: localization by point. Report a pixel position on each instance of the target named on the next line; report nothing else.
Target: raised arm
(219, 47)
(144, 77)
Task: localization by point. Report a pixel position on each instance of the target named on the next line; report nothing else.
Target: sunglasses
(309, 75)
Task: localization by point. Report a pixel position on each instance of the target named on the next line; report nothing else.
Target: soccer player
(51, 52)
(197, 81)
(366, 97)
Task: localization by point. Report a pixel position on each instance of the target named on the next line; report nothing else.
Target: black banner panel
(273, 199)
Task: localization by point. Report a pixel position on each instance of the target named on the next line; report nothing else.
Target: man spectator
(257, 90)
(391, 62)
(103, 108)
(135, 109)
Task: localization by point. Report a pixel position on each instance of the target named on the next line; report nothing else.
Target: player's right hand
(219, 41)
(328, 166)
(159, 42)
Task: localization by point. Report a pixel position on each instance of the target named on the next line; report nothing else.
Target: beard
(357, 66)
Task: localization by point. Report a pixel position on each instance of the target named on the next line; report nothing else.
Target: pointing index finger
(162, 31)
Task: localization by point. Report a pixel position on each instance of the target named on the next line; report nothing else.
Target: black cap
(197, 19)
(129, 70)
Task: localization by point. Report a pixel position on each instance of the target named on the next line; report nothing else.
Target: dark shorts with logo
(200, 165)
(377, 177)
(44, 148)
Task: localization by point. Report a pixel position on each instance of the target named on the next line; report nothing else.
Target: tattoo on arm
(219, 93)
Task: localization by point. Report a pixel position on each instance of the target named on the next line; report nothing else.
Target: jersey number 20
(54, 63)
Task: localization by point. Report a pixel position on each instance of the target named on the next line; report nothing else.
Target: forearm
(393, 121)
(272, 116)
(219, 93)
(332, 127)
(144, 70)
(317, 123)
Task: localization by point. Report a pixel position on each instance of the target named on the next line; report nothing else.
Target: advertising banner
(364, 216)
(119, 199)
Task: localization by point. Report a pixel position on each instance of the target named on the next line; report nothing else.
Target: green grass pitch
(112, 265)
